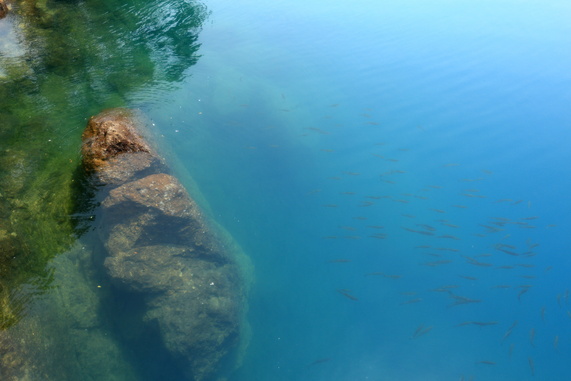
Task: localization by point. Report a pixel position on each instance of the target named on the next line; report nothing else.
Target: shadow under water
(61, 61)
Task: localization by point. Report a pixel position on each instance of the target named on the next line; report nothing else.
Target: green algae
(75, 58)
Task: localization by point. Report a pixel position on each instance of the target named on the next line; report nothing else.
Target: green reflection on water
(72, 59)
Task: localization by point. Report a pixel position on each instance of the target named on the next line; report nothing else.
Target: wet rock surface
(3, 8)
(160, 249)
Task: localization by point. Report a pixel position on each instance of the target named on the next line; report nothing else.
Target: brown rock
(3, 9)
(108, 135)
(160, 248)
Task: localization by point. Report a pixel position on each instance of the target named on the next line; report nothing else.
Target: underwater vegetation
(70, 60)
(61, 62)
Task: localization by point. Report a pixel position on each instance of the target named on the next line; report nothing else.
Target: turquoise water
(308, 125)
(397, 173)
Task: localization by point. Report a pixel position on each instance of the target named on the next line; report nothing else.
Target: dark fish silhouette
(346, 294)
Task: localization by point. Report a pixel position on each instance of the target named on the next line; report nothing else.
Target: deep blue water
(320, 132)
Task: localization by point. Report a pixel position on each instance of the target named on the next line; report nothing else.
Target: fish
(501, 245)
(484, 323)
(346, 294)
(420, 331)
(448, 236)
(471, 180)
(319, 130)
(491, 229)
(556, 342)
(427, 227)
(339, 260)
(468, 277)
(436, 263)
(531, 366)
(532, 337)
(523, 291)
(474, 262)
(509, 331)
(485, 362)
(473, 195)
(461, 300)
(319, 361)
(447, 249)
(478, 323)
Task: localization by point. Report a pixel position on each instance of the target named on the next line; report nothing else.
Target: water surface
(398, 175)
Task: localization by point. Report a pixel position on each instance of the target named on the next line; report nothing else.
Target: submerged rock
(3, 9)
(160, 249)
